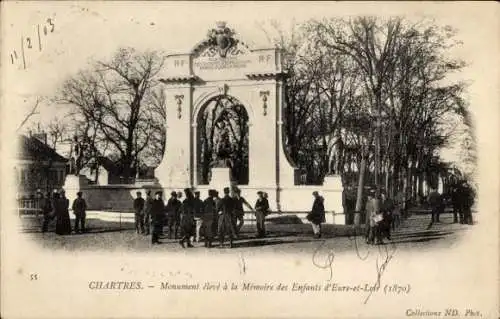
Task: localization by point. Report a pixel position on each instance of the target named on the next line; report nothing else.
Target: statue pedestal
(72, 185)
(220, 178)
(332, 190)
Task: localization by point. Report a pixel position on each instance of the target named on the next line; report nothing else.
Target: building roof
(31, 148)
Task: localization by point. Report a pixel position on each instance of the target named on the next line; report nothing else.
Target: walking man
(79, 209)
(157, 217)
(226, 211)
(209, 216)
(139, 213)
(261, 209)
(317, 214)
(148, 204)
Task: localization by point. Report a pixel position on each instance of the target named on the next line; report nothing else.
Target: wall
(297, 200)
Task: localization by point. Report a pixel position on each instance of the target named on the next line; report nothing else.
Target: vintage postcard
(249, 159)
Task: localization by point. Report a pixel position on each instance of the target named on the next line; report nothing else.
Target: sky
(82, 31)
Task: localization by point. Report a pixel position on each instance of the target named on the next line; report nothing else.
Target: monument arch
(223, 67)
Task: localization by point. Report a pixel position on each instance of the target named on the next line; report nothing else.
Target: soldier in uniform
(187, 218)
(261, 208)
(79, 209)
(147, 212)
(225, 209)
(139, 213)
(198, 214)
(209, 216)
(157, 217)
(173, 214)
(238, 218)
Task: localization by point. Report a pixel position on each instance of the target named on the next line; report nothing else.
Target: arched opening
(222, 139)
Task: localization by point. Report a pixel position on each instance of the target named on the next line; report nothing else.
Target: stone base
(220, 178)
(73, 184)
(332, 191)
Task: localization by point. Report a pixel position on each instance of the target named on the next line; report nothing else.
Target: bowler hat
(174, 194)
(79, 193)
(260, 193)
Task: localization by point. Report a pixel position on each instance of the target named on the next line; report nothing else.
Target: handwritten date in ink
(28, 42)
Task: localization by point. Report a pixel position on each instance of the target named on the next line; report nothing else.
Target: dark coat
(198, 208)
(61, 210)
(79, 206)
(262, 205)
(187, 215)
(147, 205)
(317, 214)
(157, 212)
(139, 205)
(173, 208)
(209, 209)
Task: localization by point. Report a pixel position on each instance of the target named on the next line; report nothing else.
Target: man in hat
(209, 216)
(173, 214)
(139, 213)
(147, 212)
(226, 210)
(239, 213)
(157, 217)
(187, 218)
(79, 209)
(261, 209)
(317, 214)
(198, 214)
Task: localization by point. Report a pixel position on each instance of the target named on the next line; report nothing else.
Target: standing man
(173, 214)
(215, 223)
(239, 216)
(139, 213)
(434, 201)
(147, 212)
(226, 211)
(79, 209)
(198, 214)
(187, 218)
(317, 214)
(261, 208)
(209, 215)
(157, 217)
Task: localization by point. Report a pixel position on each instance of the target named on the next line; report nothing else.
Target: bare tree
(117, 96)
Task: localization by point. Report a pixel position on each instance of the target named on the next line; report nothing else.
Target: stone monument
(223, 66)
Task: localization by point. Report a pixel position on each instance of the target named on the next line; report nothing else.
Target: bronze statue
(76, 156)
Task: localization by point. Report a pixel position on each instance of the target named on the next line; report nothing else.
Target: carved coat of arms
(222, 37)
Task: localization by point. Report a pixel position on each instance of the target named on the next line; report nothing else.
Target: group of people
(382, 216)
(55, 207)
(192, 218)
